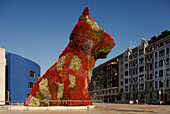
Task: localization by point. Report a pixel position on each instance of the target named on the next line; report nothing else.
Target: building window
(121, 62)
(38, 76)
(133, 64)
(136, 71)
(161, 53)
(121, 69)
(156, 64)
(121, 90)
(150, 48)
(160, 84)
(150, 57)
(166, 41)
(150, 76)
(167, 50)
(32, 74)
(156, 74)
(156, 84)
(161, 73)
(150, 66)
(141, 60)
(150, 95)
(167, 83)
(126, 88)
(155, 55)
(141, 69)
(167, 61)
(122, 76)
(126, 73)
(141, 86)
(141, 77)
(133, 72)
(135, 55)
(142, 97)
(31, 85)
(136, 79)
(129, 79)
(157, 94)
(141, 51)
(109, 68)
(126, 81)
(126, 58)
(161, 44)
(151, 85)
(121, 83)
(167, 72)
(160, 63)
(129, 72)
(28, 95)
(126, 66)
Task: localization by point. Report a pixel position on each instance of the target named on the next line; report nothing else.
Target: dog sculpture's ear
(86, 11)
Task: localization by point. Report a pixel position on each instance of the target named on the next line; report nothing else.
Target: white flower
(43, 88)
(60, 63)
(75, 63)
(72, 80)
(92, 23)
(60, 90)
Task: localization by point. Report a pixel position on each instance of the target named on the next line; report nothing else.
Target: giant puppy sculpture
(69, 77)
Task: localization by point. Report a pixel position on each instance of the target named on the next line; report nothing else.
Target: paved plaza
(103, 109)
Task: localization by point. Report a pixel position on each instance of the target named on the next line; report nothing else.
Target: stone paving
(103, 109)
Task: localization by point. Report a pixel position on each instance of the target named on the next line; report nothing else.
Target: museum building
(17, 76)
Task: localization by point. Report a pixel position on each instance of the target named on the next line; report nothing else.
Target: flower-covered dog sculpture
(69, 78)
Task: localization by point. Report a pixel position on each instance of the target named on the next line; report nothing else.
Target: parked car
(168, 102)
(153, 102)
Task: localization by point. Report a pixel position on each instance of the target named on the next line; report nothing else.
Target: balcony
(134, 90)
(134, 81)
(149, 60)
(107, 91)
(133, 66)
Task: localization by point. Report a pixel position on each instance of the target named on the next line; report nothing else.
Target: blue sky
(39, 29)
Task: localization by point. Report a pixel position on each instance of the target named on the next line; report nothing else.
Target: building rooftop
(162, 35)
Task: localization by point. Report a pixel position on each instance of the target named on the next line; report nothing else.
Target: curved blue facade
(18, 79)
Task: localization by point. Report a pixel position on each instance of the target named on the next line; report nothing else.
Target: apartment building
(157, 64)
(146, 70)
(143, 72)
(121, 77)
(104, 82)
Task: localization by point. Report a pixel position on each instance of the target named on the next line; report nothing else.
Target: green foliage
(44, 103)
(52, 103)
(101, 53)
(40, 96)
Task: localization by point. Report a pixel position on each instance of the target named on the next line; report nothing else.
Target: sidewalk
(103, 109)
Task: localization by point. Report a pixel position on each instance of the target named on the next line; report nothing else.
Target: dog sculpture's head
(88, 37)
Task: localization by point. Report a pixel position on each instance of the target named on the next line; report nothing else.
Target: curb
(51, 108)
